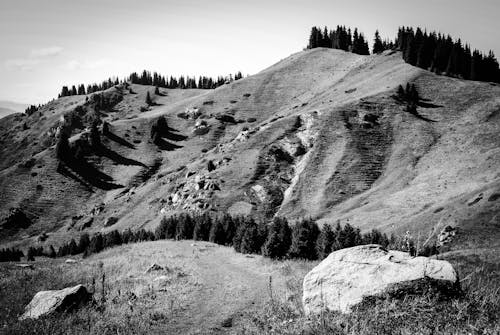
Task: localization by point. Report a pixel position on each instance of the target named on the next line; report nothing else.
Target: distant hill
(9, 107)
(321, 134)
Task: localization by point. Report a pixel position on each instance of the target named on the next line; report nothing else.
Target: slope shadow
(166, 145)
(91, 174)
(173, 137)
(116, 157)
(65, 171)
(427, 104)
(417, 115)
(119, 140)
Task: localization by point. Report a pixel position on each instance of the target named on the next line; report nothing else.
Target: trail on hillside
(230, 284)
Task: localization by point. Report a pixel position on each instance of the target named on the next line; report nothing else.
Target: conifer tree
(149, 102)
(326, 242)
(63, 151)
(304, 236)
(52, 252)
(278, 239)
(217, 232)
(378, 46)
(94, 136)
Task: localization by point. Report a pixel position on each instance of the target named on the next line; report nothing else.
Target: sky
(49, 43)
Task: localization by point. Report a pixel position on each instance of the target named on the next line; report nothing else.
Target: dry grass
(202, 287)
(209, 289)
(474, 311)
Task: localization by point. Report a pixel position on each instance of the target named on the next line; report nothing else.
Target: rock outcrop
(346, 276)
(48, 302)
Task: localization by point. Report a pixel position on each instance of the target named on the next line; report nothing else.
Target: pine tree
(304, 237)
(73, 247)
(378, 46)
(94, 136)
(30, 256)
(202, 228)
(149, 102)
(84, 242)
(52, 252)
(63, 151)
(326, 241)
(217, 232)
(96, 244)
(278, 239)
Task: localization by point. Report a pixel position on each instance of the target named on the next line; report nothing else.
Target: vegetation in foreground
(125, 302)
(473, 311)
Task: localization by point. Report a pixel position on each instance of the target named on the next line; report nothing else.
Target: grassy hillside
(319, 135)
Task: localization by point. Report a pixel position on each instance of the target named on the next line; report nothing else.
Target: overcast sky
(47, 44)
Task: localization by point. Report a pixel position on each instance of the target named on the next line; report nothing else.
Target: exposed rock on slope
(318, 135)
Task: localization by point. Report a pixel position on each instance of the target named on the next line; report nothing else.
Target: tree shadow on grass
(166, 145)
(427, 104)
(85, 172)
(119, 140)
(116, 157)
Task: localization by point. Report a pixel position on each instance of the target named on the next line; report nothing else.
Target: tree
(94, 136)
(63, 151)
(73, 247)
(30, 255)
(217, 232)
(96, 243)
(52, 252)
(202, 228)
(149, 102)
(326, 241)
(84, 242)
(278, 239)
(378, 46)
(348, 236)
(157, 91)
(304, 236)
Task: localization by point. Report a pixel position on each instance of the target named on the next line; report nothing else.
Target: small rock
(70, 261)
(227, 323)
(154, 267)
(110, 221)
(25, 266)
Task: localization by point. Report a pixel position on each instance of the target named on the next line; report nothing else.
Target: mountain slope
(319, 135)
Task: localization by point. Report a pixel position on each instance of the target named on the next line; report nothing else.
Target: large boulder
(346, 276)
(47, 302)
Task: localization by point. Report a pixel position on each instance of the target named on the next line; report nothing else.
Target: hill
(9, 107)
(319, 134)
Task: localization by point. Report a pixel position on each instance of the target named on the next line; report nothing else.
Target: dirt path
(230, 284)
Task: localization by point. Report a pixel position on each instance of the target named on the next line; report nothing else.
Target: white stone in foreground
(47, 302)
(346, 276)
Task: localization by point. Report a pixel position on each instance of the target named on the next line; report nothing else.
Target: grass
(129, 301)
(473, 311)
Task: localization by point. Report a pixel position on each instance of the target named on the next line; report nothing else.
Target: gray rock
(48, 302)
(110, 221)
(346, 276)
(154, 267)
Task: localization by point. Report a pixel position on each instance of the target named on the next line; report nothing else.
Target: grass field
(207, 289)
